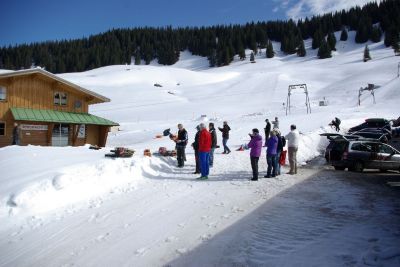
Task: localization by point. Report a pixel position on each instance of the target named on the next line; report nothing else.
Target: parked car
(375, 123)
(357, 154)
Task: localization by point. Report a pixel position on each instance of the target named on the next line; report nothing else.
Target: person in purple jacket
(272, 147)
(255, 146)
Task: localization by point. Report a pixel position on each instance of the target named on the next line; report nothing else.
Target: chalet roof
(97, 97)
(41, 115)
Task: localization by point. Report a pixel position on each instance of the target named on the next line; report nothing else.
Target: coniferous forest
(218, 43)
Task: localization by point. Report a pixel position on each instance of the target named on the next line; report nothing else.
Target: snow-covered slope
(144, 210)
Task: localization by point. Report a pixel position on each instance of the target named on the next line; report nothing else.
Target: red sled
(282, 159)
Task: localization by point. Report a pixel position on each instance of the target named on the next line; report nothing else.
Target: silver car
(360, 154)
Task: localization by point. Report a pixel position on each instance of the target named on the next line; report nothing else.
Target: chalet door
(60, 135)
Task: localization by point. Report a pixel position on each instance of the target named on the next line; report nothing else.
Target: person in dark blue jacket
(213, 133)
(225, 137)
(181, 142)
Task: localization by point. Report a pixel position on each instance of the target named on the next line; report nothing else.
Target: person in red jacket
(204, 151)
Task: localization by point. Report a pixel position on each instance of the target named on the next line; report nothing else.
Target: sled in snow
(120, 152)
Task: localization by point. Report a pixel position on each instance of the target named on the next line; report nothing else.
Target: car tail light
(345, 155)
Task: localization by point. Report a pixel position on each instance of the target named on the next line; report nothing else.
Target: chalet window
(3, 93)
(2, 128)
(60, 98)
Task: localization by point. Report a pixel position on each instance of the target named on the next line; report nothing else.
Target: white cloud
(309, 8)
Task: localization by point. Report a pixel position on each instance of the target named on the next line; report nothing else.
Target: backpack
(337, 120)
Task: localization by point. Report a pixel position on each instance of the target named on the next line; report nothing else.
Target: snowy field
(71, 206)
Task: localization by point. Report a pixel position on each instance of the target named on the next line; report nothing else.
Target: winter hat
(266, 120)
(293, 127)
(255, 130)
(202, 126)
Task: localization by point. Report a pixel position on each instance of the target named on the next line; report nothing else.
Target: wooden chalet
(49, 110)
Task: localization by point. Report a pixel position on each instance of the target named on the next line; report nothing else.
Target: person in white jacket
(292, 139)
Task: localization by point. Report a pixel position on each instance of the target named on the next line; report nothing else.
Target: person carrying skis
(225, 137)
(204, 152)
(255, 146)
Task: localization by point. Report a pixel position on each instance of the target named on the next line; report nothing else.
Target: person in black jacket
(267, 130)
(213, 133)
(281, 145)
(181, 142)
(195, 146)
(225, 137)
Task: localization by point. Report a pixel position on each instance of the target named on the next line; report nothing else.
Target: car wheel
(358, 166)
(339, 168)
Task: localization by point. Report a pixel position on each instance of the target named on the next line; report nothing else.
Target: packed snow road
(334, 218)
(319, 217)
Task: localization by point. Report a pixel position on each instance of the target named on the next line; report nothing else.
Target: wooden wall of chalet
(92, 134)
(35, 91)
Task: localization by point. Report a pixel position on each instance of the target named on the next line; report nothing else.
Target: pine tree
(301, 51)
(317, 39)
(270, 50)
(212, 58)
(376, 34)
(396, 48)
(138, 58)
(389, 36)
(367, 56)
(324, 50)
(332, 41)
(343, 35)
(364, 30)
(241, 51)
(252, 60)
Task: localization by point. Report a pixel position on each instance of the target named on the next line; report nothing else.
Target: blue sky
(26, 21)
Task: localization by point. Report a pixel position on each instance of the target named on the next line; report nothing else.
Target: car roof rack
(341, 137)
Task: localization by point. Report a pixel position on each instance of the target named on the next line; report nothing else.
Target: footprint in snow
(236, 209)
(205, 217)
(127, 225)
(170, 239)
(93, 217)
(212, 224)
(205, 237)
(182, 250)
(225, 216)
(101, 238)
(141, 251)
